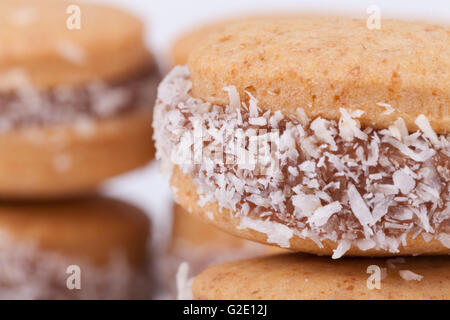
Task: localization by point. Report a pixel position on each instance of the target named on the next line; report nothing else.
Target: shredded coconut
(22, 104)
(424, 125)
(388, 108)
(359, 206)
(321, 215)
(403, 181)
(409, 275)
(29, 272)
(341, 249)
(276, 232)
(318, 179)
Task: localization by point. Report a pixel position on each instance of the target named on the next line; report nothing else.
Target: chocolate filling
(332, 179)
(27, 106)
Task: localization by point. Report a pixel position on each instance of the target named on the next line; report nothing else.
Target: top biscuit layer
(322, 63)
(184, 45)
(187, 42)
(41, 38)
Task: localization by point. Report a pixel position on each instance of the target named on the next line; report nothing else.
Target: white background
(168, 18)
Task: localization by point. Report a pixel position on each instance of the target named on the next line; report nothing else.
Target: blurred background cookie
(304, 277)
(188, 41)
(76, 99)
(43, 243)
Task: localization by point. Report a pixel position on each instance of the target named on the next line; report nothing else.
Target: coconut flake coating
(28, 272)
(322, 179)
(21, 104)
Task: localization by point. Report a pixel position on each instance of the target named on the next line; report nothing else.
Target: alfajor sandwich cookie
(77, 86)
(314, 134)
(89, 248)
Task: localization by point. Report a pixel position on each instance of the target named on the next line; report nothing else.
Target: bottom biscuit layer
(54, 161)
(186, 194)
(299, 277)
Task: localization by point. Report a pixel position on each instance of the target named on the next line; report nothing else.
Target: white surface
(149, 190)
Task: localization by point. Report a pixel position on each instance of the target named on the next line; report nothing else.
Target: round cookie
(327, 177)
(72, 99)
(304, 277)
(102, 236)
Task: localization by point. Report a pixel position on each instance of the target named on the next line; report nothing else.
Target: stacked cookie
(77, 86)
(319, 135)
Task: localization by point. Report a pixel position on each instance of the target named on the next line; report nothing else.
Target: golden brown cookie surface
(39, 38)
(187, 42)
(184, 45)
(298, 277)
(188, 229)
(324, 63)
(190, 40)
(68, 159)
